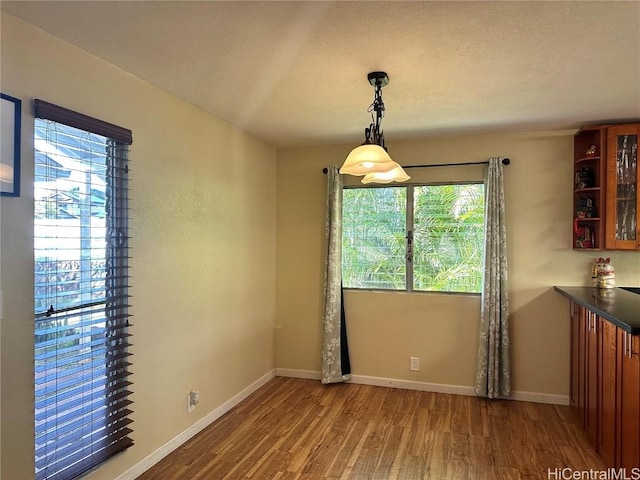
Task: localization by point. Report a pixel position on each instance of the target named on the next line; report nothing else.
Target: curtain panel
(335, 350)
(493, 374)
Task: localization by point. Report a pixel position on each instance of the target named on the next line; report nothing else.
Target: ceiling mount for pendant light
(371, 158)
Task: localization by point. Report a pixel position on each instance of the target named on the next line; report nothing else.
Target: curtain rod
(505, 161)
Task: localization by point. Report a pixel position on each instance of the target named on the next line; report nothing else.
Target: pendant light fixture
(396, 174)
(371, 158)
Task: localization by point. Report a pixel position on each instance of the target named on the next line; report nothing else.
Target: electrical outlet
(415, 364)
(192, 400)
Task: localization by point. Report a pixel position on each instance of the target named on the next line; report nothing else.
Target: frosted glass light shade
(396, 174)
(367, 158)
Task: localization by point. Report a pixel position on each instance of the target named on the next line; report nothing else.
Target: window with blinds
(82, 405)
(414, 237)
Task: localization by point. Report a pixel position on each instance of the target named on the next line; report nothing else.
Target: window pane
(69, 219)
(373, 238)
(448, 237)
(80, 283)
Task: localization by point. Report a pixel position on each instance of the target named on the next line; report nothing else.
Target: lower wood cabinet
(578, 369)
(593, 378)
(605, 387)
(606, 446)
(628, 403)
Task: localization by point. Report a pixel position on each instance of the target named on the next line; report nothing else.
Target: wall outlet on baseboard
(415, 364)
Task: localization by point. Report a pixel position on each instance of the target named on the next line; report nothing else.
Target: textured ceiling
(294, 73)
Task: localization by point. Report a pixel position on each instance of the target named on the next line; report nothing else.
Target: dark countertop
(620, 307)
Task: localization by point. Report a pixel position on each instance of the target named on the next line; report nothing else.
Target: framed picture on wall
(10, 117)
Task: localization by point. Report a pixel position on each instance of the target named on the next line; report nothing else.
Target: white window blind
(82, 404)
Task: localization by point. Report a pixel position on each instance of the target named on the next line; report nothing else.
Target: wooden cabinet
(593, 378)
(606, 203)
(605, 387)
(578, 370)
(589, 152)
(628, 401)
(585, 381)
(607, 421)
(623, 177)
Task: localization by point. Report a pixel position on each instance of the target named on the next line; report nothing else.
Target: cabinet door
(576, 364)
(622, 199)
(607, 421)
(581, 366)
(628, 402)
(593, 378)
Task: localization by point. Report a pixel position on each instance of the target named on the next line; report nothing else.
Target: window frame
(409, 238)
(110, 434)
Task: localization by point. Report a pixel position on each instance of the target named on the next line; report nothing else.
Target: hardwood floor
(300, 429)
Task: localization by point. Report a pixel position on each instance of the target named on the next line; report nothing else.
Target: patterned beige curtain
(335, 350)
(493, 374)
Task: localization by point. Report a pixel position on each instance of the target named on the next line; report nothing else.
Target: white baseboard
(426, 387)
(413, 385)
(540, 398)
(153, 458)
(289, 372)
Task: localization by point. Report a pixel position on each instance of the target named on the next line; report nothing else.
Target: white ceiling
(295, 73)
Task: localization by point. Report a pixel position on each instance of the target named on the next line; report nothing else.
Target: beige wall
(203, 265)
(385, 329)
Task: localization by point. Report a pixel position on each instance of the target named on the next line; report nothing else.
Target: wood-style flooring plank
(294, 429)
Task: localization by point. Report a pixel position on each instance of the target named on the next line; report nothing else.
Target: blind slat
(65, 362)
(80, 411)
(42, 450)
(91, 383)
(93, 452)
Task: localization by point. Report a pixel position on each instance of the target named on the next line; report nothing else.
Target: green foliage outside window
(373, 238)
(448, 237)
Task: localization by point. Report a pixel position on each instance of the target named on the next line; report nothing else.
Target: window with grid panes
(414, 237)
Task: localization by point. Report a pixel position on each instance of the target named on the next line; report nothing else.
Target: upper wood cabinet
(623, 178)
(589, 169)
(606, 204)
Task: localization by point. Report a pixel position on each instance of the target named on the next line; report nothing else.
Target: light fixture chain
(377, 108)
